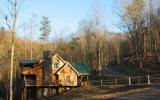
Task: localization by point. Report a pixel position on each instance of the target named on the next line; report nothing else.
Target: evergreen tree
(45, 28)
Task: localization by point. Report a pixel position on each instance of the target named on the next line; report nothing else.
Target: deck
(49, 86)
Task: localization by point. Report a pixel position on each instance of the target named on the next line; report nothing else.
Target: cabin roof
(26, 62)
(83, 69)
(29, 71)
(59, 57)
(66, 65)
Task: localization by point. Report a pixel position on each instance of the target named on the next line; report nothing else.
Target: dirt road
(153, 94)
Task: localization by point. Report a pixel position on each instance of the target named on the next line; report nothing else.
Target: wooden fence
(128, 80)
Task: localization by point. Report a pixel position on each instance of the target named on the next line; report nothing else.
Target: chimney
(47, 67)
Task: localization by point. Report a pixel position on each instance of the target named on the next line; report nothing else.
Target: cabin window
(68, 77)
(27, 68)
(55, 64)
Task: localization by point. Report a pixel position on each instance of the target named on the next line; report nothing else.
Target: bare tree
(133, 19)
(11, 20)
(31, 26)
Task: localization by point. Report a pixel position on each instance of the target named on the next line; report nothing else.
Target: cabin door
(57, 79)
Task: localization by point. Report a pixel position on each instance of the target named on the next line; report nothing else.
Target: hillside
(130, 67)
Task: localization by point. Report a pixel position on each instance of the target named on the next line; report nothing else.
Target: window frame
(68, 77)
(55, 64)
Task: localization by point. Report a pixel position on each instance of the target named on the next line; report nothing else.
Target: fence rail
(134, 80)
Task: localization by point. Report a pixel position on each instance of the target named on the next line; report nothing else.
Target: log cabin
(53, 72)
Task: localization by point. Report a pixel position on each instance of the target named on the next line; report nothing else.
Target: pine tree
(45, 29)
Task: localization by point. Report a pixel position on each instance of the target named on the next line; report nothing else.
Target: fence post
(139, 80)
(129, 79)
(149, 82)
(115, 82)
(101, 82)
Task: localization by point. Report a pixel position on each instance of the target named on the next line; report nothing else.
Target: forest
(91, 44)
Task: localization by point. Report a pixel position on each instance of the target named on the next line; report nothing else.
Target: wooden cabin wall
(54, 69)
(37, 72)
(67, 70)
(39, 78)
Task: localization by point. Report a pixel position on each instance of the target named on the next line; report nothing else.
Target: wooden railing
(134, 80)
(34, 83)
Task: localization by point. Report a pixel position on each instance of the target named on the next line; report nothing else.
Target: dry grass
(98, 93)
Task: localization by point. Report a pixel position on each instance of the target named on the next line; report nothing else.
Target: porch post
(81, 81)
(57, 90)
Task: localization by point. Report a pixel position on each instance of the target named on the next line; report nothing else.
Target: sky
(65, 15)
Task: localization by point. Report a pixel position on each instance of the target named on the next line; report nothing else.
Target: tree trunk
(13, 30)
(11, 70)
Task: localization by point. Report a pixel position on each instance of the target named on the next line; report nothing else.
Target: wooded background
(91, 44)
